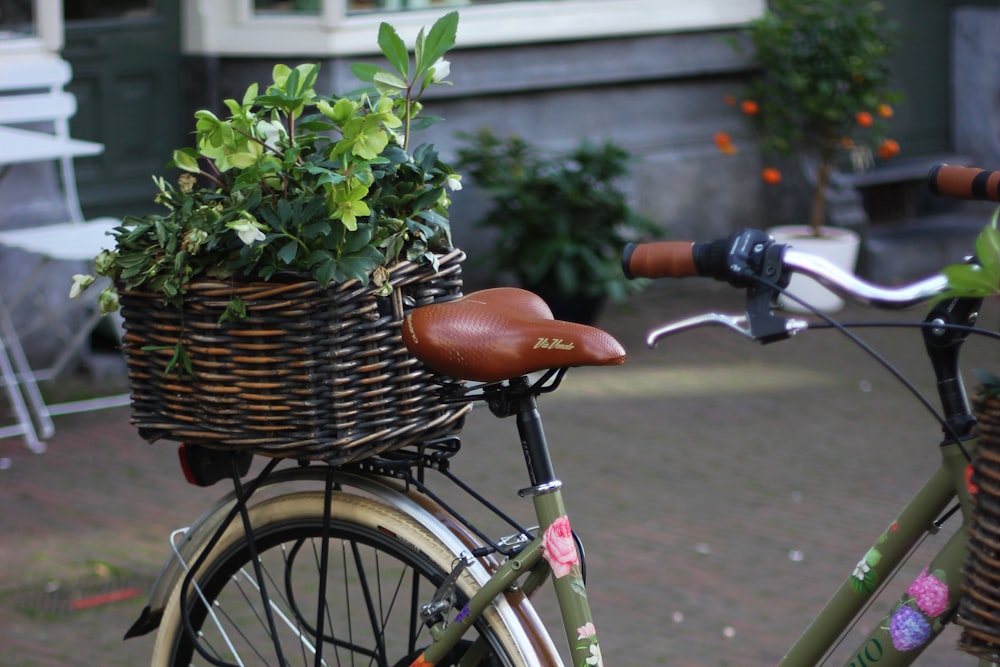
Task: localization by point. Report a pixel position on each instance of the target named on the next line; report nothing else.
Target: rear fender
(516, 610)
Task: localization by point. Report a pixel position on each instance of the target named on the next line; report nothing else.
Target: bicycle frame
(893, 642)
(553, 553)
(916, 520)
(916, 619)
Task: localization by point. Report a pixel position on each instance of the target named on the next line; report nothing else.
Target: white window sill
(231, 28)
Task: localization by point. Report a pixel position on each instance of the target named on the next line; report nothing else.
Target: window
(87, 10)
(17, 19)
(348, 27)
(314, 7)
(30, 25)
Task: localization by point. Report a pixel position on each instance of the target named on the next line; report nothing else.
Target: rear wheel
(382, 566)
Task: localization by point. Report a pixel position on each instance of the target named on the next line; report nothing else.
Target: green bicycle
(370, 564)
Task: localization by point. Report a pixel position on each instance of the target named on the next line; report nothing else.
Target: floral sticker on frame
(559, 548)
(911, 624)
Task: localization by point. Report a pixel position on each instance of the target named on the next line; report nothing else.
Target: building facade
(648, 74)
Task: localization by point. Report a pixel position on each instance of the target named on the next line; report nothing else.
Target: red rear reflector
(186, 465)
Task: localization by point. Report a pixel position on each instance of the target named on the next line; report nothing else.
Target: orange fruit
(888, 148)
(770, 175)
(750, 107)
(884, 110)
(864, 119)
(725, 143)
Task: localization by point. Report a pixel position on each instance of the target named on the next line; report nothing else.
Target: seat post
(533, 442)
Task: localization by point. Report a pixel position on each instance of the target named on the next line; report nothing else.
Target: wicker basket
(979, 610)
(311, 373)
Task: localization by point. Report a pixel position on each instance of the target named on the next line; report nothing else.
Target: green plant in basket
(979, 279)
(297, 181)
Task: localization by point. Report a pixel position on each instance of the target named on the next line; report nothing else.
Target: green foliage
(295, 181)
(818, 65)
(561, 220)
(981, 278)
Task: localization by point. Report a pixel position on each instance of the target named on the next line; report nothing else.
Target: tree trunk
(817, 209)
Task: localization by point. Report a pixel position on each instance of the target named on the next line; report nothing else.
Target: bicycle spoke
(285, 618)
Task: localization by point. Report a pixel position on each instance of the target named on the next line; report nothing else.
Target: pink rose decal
(559, 548)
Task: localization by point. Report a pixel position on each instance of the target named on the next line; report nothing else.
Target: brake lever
(738, 323)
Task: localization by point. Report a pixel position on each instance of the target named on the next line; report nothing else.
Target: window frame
(234, 28)
(48, 37)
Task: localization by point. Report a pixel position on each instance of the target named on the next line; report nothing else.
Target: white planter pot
(837, 245)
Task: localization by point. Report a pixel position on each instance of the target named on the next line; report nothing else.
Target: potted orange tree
(821, 90)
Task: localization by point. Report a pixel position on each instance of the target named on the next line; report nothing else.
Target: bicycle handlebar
(686, 259)
(732, 260)
(897, 297)
(751, 257)
(964, 182)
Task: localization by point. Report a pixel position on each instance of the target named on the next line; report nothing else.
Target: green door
(126, 76)
(921, 70)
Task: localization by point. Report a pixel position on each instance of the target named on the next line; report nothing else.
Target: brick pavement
(721, 489)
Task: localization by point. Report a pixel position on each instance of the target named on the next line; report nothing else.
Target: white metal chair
(32, 96)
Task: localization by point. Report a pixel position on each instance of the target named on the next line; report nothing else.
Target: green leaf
(179, 359)
(326, 271)
(250, 95)
(358, 239)
(394, 49)
(287, 252)
(969, 280)
(236, 309)
(390, 81)
(357, 268)
(187, 160)
(317, 228)
(988, 250)
(365, 71)
(285, 211)
(440, 38)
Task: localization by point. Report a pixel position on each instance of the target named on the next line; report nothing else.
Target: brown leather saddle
(503, 333)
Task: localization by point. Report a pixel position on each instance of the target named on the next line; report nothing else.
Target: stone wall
(660, 97)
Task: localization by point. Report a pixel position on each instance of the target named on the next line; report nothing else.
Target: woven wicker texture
(979, 610)
(312, 372)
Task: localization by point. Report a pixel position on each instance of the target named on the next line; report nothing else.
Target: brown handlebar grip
(660, 259)
(964, 182)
